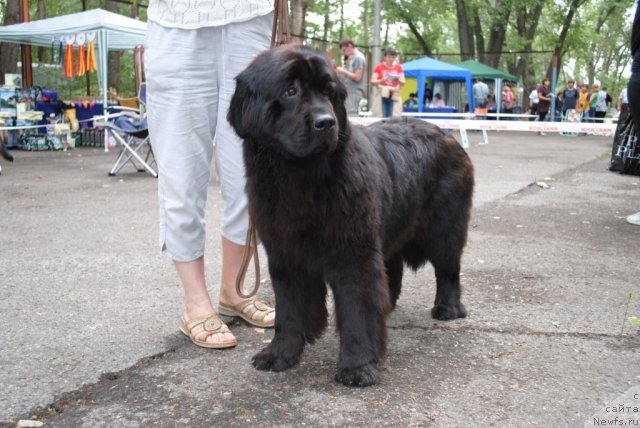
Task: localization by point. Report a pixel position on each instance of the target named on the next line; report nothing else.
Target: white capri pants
(190, 80)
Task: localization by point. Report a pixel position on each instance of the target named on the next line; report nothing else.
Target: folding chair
(129, 128)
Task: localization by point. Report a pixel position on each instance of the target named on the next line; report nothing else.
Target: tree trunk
(113, 66)
(341, 33)
(10, 52)
(526, 26)
(325, 29)
(501, 13)
(559, 48)
(365, 22)
(465, 32)
(299, 12)
(603, 16)
(477, 28)
(44, 53)
(426, 49)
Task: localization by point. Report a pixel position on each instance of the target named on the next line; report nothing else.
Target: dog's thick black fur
(346, 206)
(3, 149)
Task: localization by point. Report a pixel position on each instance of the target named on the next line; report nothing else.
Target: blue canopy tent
(426, 67)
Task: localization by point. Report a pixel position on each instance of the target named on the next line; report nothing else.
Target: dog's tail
(3, 149)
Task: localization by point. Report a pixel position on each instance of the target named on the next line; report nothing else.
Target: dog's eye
(291, 91)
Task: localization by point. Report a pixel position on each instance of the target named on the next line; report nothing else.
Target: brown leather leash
(280, 35)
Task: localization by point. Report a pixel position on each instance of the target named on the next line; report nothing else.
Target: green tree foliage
(590, 38)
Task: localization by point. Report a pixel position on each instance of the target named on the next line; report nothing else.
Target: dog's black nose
(324, 122)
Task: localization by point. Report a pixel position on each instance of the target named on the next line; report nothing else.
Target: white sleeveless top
(191, 14)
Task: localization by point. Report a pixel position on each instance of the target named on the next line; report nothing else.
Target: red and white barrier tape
(564, 128)
(511, 125)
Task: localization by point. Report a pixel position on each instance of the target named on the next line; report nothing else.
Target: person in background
(533, 102)
(517, 95)
(633, 87)
(352, 75)
(609, 99)
(480, 93)
(559, 106)
(584, 98)
(569, 98)
(593, 101)
(438, 102)
(544, 103)
(491, 104)
(428, 94)
(389, 77)
(190, 80)
(622, 100)
(602, 105)
(508, 100)
(411, 103)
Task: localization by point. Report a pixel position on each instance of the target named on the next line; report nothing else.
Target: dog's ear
(240, 114)
(339, 98)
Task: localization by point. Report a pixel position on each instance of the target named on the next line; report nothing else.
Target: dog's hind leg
(444, 251)
(394, 267)
(447, 304)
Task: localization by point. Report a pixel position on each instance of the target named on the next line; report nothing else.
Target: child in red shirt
(389, 76)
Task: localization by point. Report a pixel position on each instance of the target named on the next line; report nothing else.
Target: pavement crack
(85, 394)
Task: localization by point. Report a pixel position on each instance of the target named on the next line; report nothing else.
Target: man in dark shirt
(569, 97)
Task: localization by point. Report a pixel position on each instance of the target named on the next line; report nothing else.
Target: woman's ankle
(198, 309)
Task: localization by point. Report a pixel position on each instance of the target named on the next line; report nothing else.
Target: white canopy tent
(113, 33)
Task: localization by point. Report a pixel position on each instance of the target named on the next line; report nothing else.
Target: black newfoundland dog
(346, 206)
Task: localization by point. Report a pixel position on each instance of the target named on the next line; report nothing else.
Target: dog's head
(290, 99)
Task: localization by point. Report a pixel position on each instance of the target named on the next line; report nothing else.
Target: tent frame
(113, 32)
(437, 70)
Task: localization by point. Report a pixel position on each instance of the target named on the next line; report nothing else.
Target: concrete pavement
(90, 309)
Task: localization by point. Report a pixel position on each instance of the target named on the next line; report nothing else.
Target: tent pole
(105, 85)
(498, 95)
(103, 59)
(470, 94)
(421, 79)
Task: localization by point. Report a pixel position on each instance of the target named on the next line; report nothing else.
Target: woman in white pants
(193, 51)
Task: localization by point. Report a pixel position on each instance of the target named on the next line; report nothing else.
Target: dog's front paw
(448, 312)
(267, 360)
(366, 375)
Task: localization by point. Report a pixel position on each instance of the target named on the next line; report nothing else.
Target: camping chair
(129, 129)
(130, 103)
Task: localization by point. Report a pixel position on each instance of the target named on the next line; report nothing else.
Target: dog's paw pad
(366, 375)
(271, 362)
(451, 312)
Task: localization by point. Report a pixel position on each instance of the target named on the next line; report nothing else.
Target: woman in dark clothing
(544, 103)
(633, 87)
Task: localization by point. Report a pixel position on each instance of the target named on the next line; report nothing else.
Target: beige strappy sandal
(252, 311)
(211, 324)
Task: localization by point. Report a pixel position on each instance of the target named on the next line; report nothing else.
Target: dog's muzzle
(324, 122)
